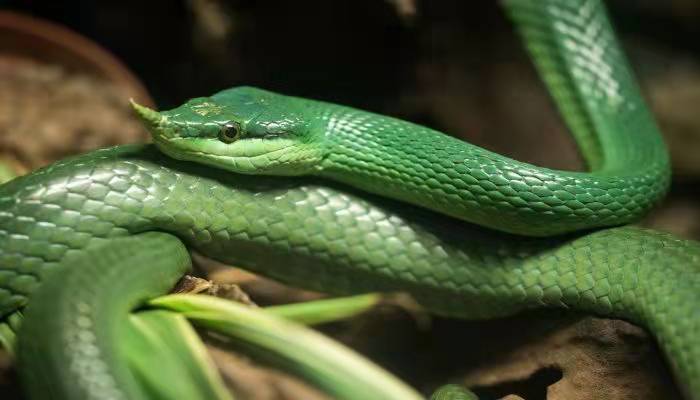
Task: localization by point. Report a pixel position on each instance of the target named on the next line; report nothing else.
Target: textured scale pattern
(320, 237)
(387, 156)
(576, 52)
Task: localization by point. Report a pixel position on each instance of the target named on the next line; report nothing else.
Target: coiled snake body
(325, 236)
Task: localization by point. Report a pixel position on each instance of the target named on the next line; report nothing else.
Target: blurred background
(67, 70)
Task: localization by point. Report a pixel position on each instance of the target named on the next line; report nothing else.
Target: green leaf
(8, 338)
(168, 357)
(8, 332)
(326, 310)
(325, 363)
(6, 173)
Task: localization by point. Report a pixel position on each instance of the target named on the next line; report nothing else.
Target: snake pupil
(229, 132)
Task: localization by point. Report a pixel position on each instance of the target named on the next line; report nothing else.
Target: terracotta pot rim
(74, 49)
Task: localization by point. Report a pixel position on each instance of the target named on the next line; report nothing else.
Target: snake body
(319, 236)
(322, 235)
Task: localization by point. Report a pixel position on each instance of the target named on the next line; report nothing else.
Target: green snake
(359, 202)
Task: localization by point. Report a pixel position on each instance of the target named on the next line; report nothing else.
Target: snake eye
(230, 132)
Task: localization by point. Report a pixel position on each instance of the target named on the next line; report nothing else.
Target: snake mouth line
(250, 163)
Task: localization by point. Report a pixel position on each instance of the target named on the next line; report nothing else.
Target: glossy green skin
(314, 235)
(577, 54)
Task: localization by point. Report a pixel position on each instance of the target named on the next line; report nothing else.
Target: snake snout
(152, 119)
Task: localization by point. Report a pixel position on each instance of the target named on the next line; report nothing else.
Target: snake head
(244, 130)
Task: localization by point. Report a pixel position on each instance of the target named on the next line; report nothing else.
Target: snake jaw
(281, 159)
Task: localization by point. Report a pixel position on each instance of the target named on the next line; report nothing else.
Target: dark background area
(363, 52)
